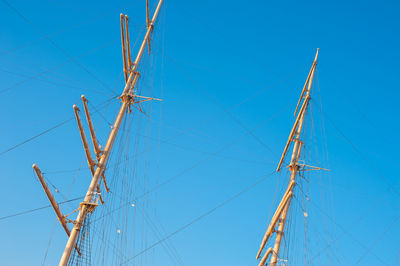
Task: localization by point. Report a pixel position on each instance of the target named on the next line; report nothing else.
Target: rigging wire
(65, 198)
(361, 244)
(324, 140)
(169, 248)
(181, 173)
(36, 136)
(66, 29)
(250, 97)
(1, 153)
(44, 132)
(182, 229)
(205, 214)
(377, 240)
(38, 209)
(212, 28)
(49, 70)
(67, 85)
(174, 145)
(369, 164)
(124, 177)
(215, 101)
(353, 224)
(73, 59)
(176, 176)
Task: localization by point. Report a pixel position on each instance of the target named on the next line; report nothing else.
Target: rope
(377, 240)
(181, 173)
(362, 156)
(354, 223)
(361, 244)
(231, 116)
(76, 26)
(67, 85)
(55, 44)
(38, 209)
(207, 213)
(44, 132)
(36, 136)
(57, 66)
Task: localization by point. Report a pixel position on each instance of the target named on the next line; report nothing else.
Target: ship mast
(280, 216)
(128, 98)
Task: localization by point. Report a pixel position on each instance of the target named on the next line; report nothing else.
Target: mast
(280, 216)
(127, 98)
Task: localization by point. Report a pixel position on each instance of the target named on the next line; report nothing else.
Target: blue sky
(222, 69)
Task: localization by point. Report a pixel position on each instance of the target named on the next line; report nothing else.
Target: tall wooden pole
(86, 147)
(85, 205)
(128, 42)
(293, 168)
(96, 146)
(53, 202)
(122, 19)
(84, 140)
(280, 214)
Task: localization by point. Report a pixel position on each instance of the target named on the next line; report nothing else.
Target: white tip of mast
(34, 165)
(75, 107)
(121, 15)
(83, 96)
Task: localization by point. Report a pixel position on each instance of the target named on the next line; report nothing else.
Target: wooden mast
(283, 207)
(127, 99)
(53, 202)
(123, 39)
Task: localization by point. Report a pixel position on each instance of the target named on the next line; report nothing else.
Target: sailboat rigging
(129, 97)
(278, 220)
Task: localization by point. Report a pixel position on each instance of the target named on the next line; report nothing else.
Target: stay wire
(168, 246)
(391, 187)
(49, 70)
(38, 209)
(66, 85)
(230, 115)
(377, 240)
(203, 160)
(66, 29)
(65, 198)
(354, 223)
(36, 136)
(361, 244)
(73, 59)
(222, 204)
(43, 132)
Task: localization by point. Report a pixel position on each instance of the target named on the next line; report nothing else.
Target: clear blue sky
(209, 57)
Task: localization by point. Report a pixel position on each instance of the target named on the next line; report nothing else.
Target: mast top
(316, 55)
(306, 91)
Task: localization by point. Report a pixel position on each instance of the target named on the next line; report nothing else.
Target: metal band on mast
(130, 84)
(280, 215)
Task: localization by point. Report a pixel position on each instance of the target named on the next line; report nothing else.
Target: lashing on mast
(97, 167)
(280, 216)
